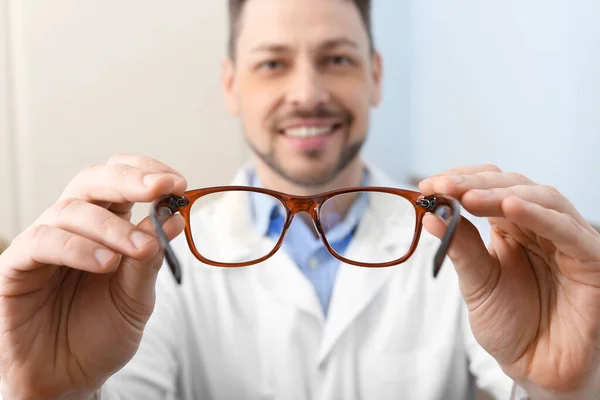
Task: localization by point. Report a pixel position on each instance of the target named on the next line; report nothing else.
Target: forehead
(300, 23)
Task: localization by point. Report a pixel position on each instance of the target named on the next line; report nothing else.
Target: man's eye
(340, 60)
(271, 65)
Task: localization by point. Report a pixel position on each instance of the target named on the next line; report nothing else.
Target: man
(78, 287)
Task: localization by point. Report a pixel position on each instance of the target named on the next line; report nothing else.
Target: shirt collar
(344, 228)
(266, 208)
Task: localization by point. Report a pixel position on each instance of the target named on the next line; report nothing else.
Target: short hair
(236, 7)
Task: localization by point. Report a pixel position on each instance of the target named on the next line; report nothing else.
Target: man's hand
(77, 287)
(534, 295)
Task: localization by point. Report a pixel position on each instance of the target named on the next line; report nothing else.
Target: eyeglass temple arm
(442, 211)
(159, 214)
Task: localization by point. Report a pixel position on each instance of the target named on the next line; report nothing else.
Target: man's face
(303, 81)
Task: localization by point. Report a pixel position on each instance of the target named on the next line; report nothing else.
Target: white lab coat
(258, 332)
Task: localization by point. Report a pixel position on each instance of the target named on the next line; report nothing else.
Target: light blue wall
(389, 143)
(511, 82)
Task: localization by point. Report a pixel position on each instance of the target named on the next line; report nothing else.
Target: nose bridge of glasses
(307, 205)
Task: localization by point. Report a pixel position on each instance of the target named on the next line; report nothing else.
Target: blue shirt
(306, 249)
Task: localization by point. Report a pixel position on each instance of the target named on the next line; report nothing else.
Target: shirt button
(313, 262)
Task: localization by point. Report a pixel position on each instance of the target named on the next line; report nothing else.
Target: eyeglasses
(258, 219)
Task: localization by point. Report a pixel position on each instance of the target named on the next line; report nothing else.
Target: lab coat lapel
(282, 277)
(355, 287)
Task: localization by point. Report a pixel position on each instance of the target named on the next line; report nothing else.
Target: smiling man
(86, 314)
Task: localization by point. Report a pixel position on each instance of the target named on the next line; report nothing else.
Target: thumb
(137, 278)
(472, 261)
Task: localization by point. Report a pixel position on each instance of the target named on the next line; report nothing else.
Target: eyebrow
(328, 45)
(339, 42)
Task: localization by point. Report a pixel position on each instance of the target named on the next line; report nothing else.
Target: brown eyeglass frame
(169, 205)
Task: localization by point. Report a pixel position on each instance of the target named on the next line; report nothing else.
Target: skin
(68, 319)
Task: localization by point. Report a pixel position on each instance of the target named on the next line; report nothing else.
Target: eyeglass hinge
(178, 202)
(429, 203)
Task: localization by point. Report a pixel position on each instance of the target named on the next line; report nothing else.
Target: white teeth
(308, 131)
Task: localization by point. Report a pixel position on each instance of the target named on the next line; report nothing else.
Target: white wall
(510, 82)
(8, 208)
(93, 79)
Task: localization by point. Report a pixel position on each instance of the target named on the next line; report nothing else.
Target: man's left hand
(534, 295)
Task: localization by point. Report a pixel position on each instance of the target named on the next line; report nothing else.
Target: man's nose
(307, 88)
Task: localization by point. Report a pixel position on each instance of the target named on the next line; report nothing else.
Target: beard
(318, 176)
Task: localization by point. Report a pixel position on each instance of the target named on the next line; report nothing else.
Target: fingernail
(456, 178)
(150, 180)
(140, 239)
(482, 193)
(178, 180)
(103, 256)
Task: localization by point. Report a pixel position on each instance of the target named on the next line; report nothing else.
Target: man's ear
(377, 76)
(229, 85)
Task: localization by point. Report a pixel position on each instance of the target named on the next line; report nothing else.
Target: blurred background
(515, 83)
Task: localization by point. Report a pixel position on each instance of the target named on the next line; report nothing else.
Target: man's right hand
(77, 287)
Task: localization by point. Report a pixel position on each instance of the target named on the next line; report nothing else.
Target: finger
(135, 279)
(146, 164)
(123, 210)
(457, 185)
(469, 255)
(565, 232)
(44, 246)
(121, 183)
(471, 169)
(100, 225)
(488, 203)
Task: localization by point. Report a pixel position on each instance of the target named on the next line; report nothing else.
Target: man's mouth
(310, 131)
